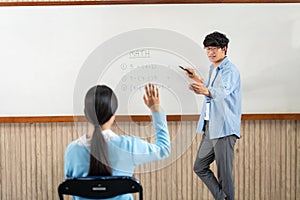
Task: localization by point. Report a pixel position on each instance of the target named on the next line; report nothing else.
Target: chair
(100, 187)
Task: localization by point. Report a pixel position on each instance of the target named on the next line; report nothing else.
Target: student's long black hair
(100, 105)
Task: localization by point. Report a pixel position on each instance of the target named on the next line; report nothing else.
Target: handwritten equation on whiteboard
(129, 73)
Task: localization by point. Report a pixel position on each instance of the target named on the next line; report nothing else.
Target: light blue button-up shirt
(225, 102)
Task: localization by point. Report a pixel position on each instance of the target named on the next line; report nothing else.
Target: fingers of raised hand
(151, 90)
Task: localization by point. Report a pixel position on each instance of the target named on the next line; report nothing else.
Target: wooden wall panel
(266, 166)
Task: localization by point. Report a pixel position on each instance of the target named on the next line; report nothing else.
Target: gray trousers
(222, 151)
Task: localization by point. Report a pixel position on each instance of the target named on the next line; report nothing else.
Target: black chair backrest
(100, 187)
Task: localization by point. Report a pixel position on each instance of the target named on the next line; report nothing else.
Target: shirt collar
(84, 141)
(221, 65)
(107, 134)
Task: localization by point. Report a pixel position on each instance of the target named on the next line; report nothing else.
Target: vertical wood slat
(286, 193)
(174, 177)
(238, 163)
(12, 159)
(273, 147)
(2, 162)
(293, 149)
(257, 162)
(280, 168)
(178, 166)
(263, 169)
(189, 176)
(183, 159)
(28, 134)
(9, 171)
(266, 166)
(55, 163)
(37, 152)
(266, 130)
(246, 135)
(23, 161)
(297, 130)
(195, 182)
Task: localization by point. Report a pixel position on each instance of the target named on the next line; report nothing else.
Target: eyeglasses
(213, 49)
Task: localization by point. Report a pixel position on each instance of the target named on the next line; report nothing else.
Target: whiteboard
(51, 55)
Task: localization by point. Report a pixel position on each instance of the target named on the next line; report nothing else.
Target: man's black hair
(216, 39)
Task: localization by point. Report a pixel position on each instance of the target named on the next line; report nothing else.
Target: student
(102, 152)
(220, 117)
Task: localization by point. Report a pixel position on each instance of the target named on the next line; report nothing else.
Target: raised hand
(151, 97)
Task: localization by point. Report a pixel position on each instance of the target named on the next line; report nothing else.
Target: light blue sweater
(125, 152)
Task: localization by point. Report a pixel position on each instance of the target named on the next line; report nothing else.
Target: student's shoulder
(72, 145)
(127, 140)
(75, 147)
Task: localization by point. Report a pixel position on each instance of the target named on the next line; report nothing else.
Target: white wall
(44, 52)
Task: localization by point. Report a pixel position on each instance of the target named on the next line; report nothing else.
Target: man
(220, 117)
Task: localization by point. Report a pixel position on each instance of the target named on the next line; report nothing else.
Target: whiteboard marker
(185, 70)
